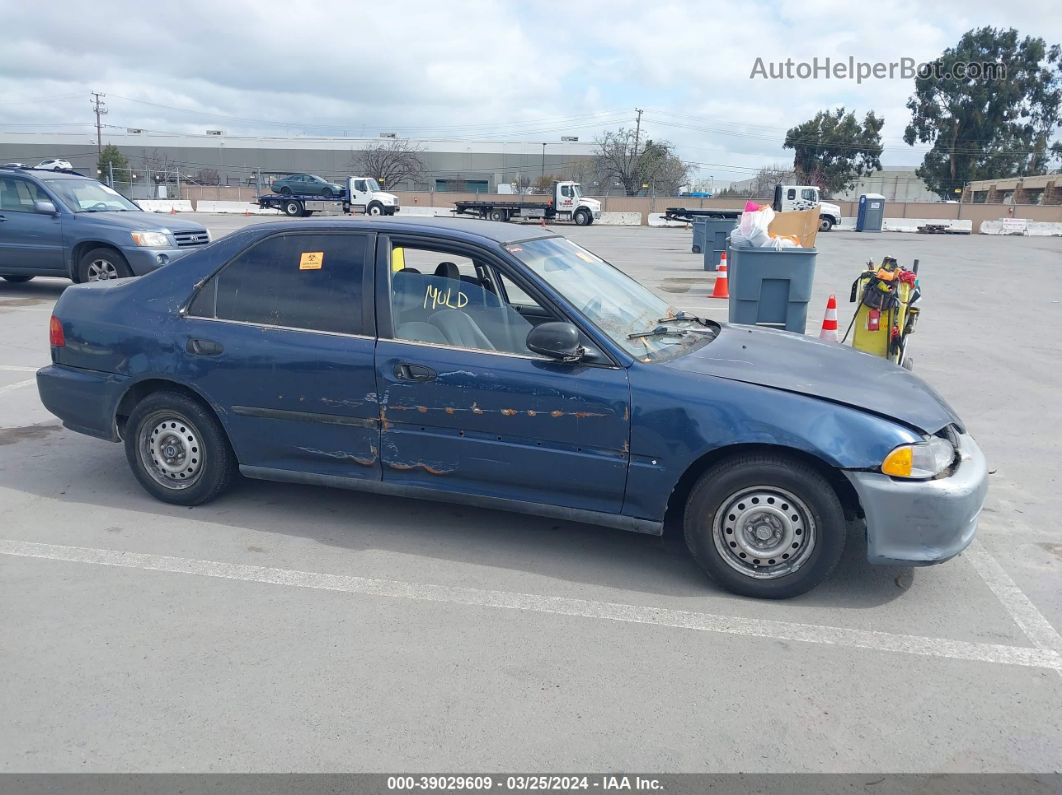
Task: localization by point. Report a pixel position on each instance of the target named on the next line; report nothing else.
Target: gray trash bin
(716, 232)
(698, 234)
(771, 287)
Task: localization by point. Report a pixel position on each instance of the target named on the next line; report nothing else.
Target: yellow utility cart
(886, 315)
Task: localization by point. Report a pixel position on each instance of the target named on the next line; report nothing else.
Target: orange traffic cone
(721, 289)
(173, 210)
(829, 322)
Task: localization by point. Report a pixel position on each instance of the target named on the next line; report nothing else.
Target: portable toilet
(871, 212)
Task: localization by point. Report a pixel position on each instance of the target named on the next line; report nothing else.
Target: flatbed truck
(361, 195)
(566, 204)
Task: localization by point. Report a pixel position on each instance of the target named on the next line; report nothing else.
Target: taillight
(55, 332)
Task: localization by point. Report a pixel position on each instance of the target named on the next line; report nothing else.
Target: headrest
(447, 270)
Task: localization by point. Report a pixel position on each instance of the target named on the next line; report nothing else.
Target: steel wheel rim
(764, 532)
(375, 211)
(170, 450)
(100, 270)
(292, 208)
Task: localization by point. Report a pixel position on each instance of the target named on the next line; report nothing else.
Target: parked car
(55, 164)
(13, 165)
(58, 224)
(507, 367)
(307, 185)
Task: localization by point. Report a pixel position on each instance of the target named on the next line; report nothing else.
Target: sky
(452, 69)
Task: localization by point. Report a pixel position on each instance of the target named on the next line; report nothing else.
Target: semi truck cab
(367, 197)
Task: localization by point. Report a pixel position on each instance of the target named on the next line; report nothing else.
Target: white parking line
(1018, 606)
(17, 368)
(556, 605)
(17, 385)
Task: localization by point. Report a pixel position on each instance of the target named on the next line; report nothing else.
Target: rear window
(310, 281)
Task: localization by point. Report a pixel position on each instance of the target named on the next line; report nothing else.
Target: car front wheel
(178, 450)
(765, 526)
(102, 264)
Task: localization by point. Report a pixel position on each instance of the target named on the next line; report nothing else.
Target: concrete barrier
(239, 208)
(425, 212)
(657, 219)
(620, 219)
(912, 224)
(165, 205)
(1008, 226)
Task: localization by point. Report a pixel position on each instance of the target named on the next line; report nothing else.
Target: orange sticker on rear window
(311, 260)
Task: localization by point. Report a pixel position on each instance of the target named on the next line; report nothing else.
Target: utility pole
(543, 163)
(101, 110)
(637, 129)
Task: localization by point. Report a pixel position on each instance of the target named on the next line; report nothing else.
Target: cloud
(476, 70)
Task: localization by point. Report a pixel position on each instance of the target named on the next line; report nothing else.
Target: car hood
(386, 198)
(826, 370)
(830, 207)
(142, 221)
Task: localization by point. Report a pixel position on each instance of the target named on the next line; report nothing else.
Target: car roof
(40, 172)
(456, 228)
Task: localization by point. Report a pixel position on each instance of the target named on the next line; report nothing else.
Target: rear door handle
(201, 347)
(414, 372)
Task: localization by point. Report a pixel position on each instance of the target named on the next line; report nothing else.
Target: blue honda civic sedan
(504, 366)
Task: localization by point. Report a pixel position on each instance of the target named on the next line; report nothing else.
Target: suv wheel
(102, 264)
(765, 526)
(178, 450)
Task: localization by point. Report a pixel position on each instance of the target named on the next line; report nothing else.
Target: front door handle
(201, 347)
(414, 372)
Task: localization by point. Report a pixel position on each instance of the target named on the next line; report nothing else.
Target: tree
(987, 123)
(544, 184)
(391, 162)
(833, 149)
(621, 157)
(207, 176)
(112, 160)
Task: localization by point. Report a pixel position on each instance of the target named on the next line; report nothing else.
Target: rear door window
(299, 280)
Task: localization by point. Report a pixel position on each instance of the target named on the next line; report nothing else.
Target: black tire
(102, 264)
(798, 555)
(497, 214)
(328, 194)
(374, 208)
(285, 191)
(19, 278)
(825, 223)
(198, 440)
(582, 218)
(293, 208)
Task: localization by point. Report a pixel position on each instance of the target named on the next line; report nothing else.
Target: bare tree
(622, 158)
(391, 162)
(207, 176)
(545, 184)
(522, 182)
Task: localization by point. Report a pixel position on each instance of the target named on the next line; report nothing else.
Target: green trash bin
(716, 237)
(771, 287)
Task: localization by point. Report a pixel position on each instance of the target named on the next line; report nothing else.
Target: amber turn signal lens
(55, 332)
(899, 462)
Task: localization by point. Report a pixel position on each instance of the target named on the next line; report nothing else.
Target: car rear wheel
(102, 264)
(17, 278)
(765, 526)
(285, 191)
(178, 450)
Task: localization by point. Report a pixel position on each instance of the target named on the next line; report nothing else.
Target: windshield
(373, 184)
(614, 302)
(88, 196)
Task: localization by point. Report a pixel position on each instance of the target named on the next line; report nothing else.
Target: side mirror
(556, 340)
(44, 208)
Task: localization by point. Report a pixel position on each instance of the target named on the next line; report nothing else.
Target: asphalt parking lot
(291, 628)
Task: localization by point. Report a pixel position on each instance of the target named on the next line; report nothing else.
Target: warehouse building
(450, 165)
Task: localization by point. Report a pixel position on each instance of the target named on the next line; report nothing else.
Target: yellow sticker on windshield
(585, 257)
(311, 260)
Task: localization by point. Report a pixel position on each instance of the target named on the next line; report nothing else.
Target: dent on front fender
(678, 421)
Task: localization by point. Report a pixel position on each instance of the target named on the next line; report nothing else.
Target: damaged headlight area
(920, 461)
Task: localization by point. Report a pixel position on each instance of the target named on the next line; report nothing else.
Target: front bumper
(921, 522)
(146, 260)
(85, 400)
